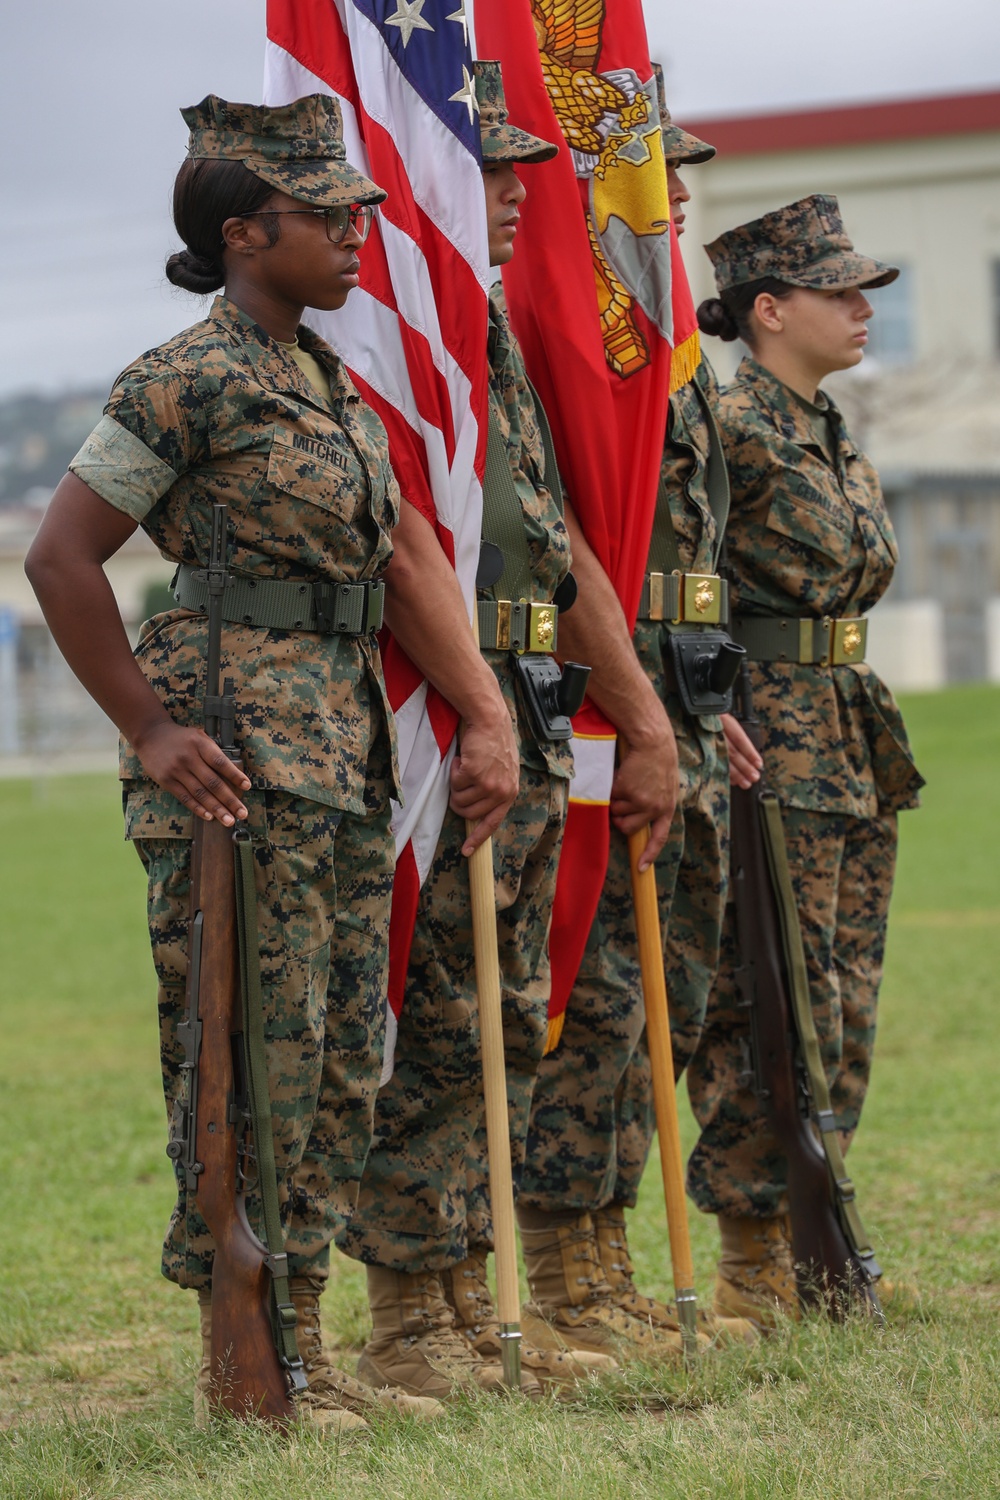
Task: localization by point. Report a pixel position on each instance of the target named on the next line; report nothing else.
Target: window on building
(891, 332)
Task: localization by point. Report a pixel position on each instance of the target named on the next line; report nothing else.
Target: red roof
(850, 124)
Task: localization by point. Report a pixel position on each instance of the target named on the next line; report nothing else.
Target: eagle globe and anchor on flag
(611, 122)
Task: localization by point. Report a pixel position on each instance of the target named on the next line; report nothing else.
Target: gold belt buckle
(701, 598)
(656, 596)
(503, 625)
(848, 641)
(542, 622)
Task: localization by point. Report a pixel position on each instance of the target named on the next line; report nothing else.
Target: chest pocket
(327, 474)
(807, 516)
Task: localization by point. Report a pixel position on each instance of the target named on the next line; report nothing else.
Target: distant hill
(38, 437)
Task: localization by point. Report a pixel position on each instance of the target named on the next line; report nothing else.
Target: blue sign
(8, 625)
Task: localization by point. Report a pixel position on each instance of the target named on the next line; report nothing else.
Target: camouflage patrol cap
(803, 243)
(678, 145)
(503, 142)
(297, 148)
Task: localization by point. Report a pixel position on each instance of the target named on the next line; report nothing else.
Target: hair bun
(714, 318)
(195, 273)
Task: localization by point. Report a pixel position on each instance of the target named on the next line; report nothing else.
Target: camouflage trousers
(842, 869)
(592, 1112)
(424, 1197)
(324, 886)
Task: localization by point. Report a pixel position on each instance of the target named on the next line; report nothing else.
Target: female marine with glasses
(251, 408)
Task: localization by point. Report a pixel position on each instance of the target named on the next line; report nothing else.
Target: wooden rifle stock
(249, 1379)
(835, 1265)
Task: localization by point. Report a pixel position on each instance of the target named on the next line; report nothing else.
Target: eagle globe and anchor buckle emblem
(848, 639)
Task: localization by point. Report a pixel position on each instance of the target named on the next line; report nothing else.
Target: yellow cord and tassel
(684, 361)
(555, 1032)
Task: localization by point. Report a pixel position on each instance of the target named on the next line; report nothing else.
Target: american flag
(413, 334)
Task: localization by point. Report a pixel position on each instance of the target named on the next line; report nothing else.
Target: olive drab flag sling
(413, 334)
(599, 300)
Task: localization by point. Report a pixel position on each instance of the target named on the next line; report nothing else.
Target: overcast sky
(89, 96)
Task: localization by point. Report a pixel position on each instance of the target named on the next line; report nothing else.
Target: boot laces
(586, 1253)
(438, 1338)
(479, 1295)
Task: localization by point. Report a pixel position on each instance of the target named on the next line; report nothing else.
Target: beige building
(919, 185)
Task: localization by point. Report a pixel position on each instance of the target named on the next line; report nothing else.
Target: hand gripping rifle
(223, 1134)
(835, 1264)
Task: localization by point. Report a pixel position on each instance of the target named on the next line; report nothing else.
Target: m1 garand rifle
(222, 1138)
(835, 1264)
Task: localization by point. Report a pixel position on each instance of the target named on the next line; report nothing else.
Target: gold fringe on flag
(555, 1033)
(684, 360)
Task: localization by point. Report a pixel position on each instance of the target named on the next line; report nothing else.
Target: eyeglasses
(341, 218)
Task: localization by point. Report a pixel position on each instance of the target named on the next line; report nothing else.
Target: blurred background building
(919, 185)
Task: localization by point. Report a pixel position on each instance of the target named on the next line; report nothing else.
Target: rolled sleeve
(122, 470)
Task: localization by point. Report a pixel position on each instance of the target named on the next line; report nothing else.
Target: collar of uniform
(785, 410)
(273, 365)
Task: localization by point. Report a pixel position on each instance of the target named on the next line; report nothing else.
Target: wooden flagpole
(661, 1059)
(484, 934)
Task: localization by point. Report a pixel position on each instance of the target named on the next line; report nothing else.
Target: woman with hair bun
(250, 408)
(810, 551)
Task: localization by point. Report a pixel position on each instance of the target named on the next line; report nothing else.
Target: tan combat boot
(316, 1408)
(573, 1303)
(330, 1389)
(612, 1244)
(756, 1275)
(468, 1294)
(415, 1346)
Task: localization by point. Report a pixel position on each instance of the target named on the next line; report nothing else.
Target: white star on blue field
(408, 18)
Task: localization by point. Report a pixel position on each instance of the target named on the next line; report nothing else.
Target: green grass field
(97, 1353)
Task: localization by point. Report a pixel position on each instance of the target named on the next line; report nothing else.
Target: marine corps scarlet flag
(600, 302)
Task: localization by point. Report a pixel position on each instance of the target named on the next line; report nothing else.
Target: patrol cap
(803, 243)
(678, 145)
(503, 142)
(297, 148)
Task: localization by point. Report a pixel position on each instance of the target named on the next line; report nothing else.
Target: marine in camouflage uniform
(422, 1223)
(592, 1112)
(809, 539)
(224, 412)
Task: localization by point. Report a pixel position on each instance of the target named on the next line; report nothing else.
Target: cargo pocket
(153, 813)
(160, 827)
(897, 779)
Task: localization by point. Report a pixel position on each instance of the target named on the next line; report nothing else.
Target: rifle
(835, 1264)
(223, 1132)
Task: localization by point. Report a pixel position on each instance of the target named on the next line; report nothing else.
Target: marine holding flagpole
(592, 1112)
(423, 1224)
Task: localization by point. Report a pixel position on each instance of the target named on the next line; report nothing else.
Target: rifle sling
(282, 1310)
(805, 1025)
(503, 520)
(716, 476)
(664, 555)
(503, 517)
(550, 472)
